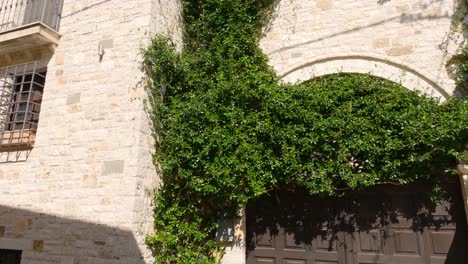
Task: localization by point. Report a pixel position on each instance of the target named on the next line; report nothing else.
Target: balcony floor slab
(27, 37)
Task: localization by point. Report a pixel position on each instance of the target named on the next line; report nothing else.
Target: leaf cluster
(228, 131)
(461, 73)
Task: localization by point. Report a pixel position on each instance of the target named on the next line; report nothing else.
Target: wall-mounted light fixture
(103, 45)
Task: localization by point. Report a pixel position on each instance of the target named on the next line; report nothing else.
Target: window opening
(10, 256)
(21, 88)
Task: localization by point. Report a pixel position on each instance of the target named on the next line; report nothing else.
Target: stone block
(38, 245)
(324, 4)
(59, 58)
(113, 167)
(400, 50)
(381, 43)
(73, 98)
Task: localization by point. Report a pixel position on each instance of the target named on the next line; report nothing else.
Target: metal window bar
(21, 88)
(18, 13)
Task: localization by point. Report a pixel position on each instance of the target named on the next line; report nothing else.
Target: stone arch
(397, 72)
(410, 77)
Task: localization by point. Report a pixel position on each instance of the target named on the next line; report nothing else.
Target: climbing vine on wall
(228, 131)
(461, 71)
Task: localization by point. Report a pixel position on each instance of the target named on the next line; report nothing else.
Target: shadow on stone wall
(45, 238)
(14, 156)
(456, 17)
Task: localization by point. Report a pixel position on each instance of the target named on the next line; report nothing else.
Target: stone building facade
(81, 193)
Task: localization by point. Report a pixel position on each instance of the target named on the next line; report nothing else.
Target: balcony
(21, 88)
(28, 24)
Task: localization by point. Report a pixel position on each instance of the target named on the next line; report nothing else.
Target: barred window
(21, 88)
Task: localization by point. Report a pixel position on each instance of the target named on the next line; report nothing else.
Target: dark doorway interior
(10, 256)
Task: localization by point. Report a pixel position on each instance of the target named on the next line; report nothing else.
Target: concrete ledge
(16, 244)
(27, 38)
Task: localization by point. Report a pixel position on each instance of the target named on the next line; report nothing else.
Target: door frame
(236, 253)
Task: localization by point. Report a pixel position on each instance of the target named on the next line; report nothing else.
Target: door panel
(313, 238)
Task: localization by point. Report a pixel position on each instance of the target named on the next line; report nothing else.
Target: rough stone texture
(82, 195)
(408, 42)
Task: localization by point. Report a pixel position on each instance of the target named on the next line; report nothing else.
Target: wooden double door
(385, 225)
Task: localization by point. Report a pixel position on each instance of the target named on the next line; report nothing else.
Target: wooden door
(385, 225)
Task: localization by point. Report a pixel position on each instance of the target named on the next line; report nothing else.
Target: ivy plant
(228, 130)
(461, 71)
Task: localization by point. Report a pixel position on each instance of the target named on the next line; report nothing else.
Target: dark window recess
(10, 256)
(21, 88)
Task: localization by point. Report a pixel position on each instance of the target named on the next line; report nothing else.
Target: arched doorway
(384, 224)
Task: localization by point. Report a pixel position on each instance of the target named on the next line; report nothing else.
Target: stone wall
(84, 191)
(408, 42)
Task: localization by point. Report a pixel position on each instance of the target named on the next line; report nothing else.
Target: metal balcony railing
(19, 13)
(21, 88)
